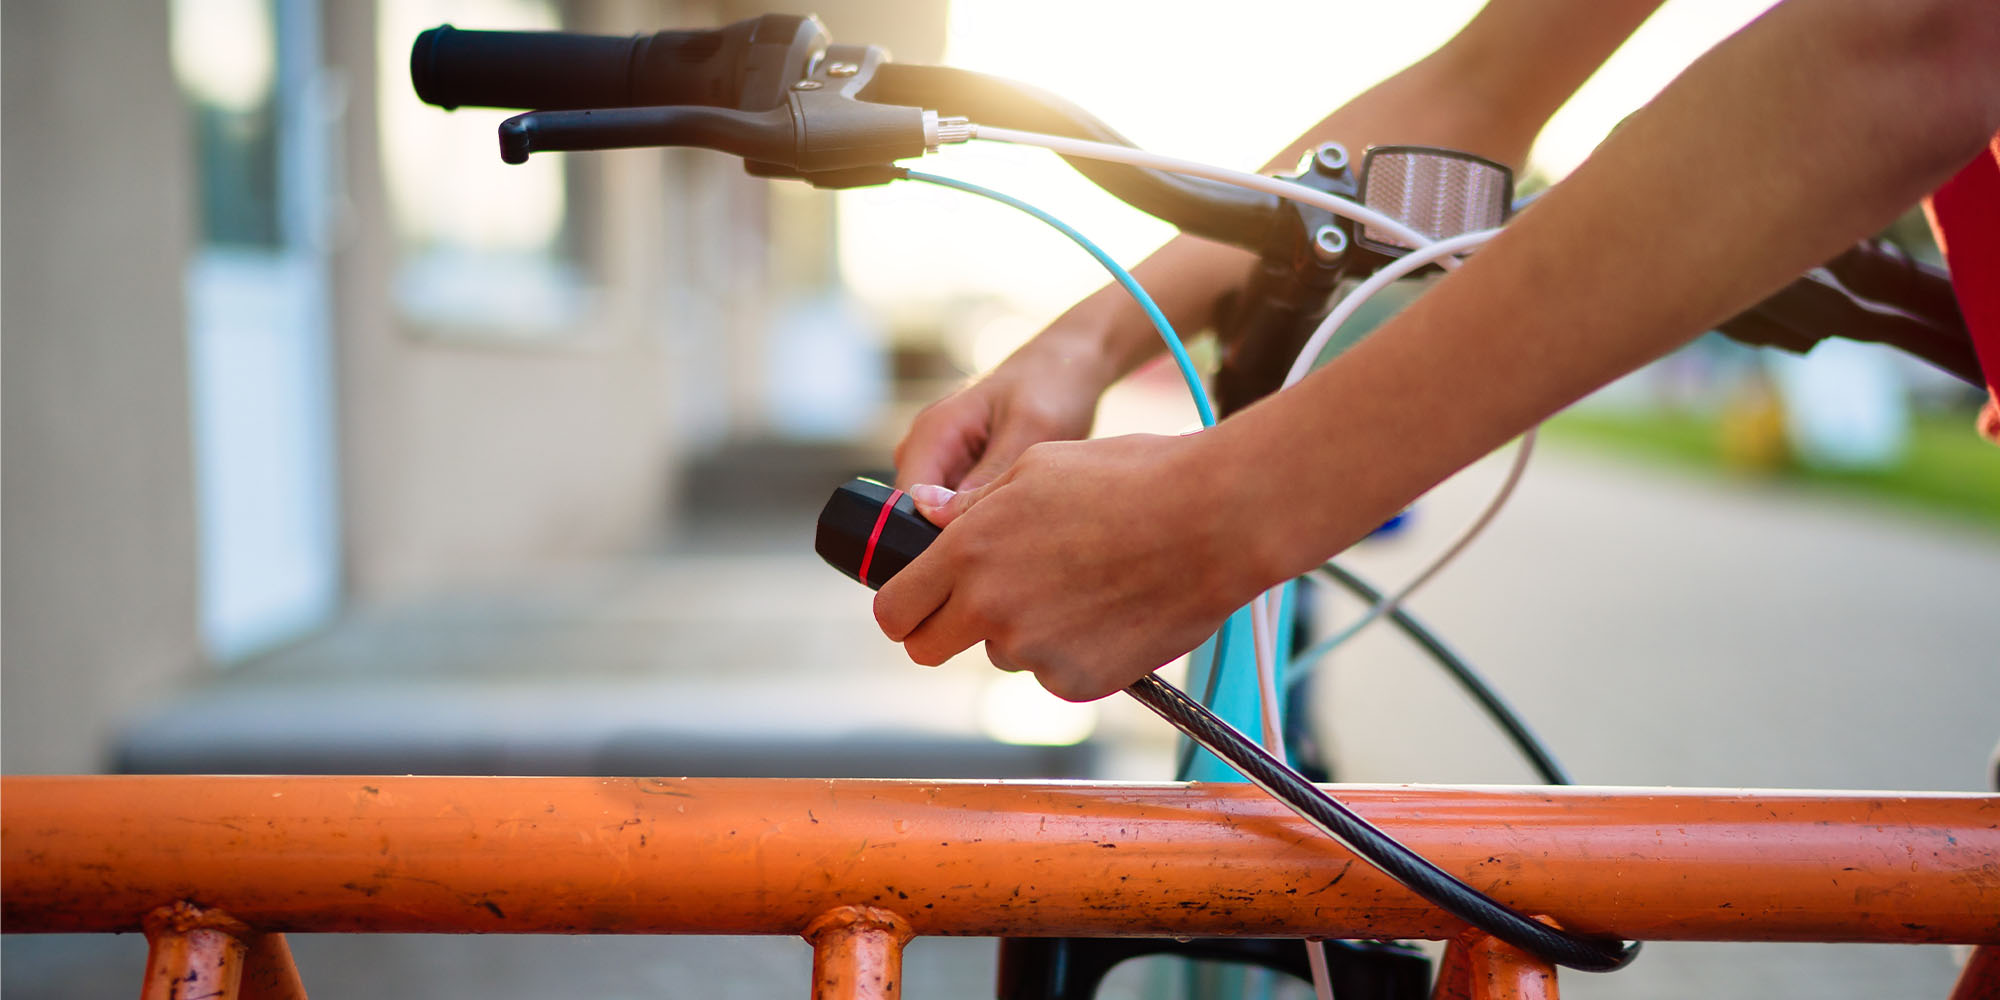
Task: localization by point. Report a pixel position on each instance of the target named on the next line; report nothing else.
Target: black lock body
(870, 531)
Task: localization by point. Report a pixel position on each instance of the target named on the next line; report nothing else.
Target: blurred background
(334, 445)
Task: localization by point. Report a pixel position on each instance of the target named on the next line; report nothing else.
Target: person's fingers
(933, 456)
(1073, 685)
(941, 506)
(948, 632)
(911, 596)
(1009, 441)
(1002, 660)
(942, 444)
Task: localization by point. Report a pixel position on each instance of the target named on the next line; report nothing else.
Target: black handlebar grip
(550, 70)
(870, 531)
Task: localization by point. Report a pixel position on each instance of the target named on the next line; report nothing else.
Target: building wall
(461, 461)
(97, 604)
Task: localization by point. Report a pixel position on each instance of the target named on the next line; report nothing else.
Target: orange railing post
(1980, 979)
(1497, 970)
(1478, 966)
(268, 971)
(1454, 973)
(858, 953)
(192, 952)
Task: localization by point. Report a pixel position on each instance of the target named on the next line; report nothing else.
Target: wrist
(1295, 494)
(1255, 519)
(1086, 346)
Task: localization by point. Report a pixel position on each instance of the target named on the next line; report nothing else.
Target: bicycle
(847, 111)
(775, 91)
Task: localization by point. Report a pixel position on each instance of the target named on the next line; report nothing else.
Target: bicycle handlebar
(765, 63)
(743, 65)
(738, 89)
(1204, 208)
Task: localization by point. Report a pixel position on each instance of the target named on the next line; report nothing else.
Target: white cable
(1322, 977)
(1172, 164)
(1311, 657)
(1302, 365)
(1514, 471)
(1435, 252)
(1263, 636)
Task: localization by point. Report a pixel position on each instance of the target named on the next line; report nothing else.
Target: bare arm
(1488, 91)
(1480, 92)
(1820, 121)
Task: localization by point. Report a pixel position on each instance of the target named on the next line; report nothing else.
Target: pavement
(1656, 629)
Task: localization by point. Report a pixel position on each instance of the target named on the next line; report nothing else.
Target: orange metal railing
(860, 866)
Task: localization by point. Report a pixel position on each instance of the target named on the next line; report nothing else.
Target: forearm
(1817, 123)
(1477, 93)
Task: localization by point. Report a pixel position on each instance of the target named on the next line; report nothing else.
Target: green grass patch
(1948, 469)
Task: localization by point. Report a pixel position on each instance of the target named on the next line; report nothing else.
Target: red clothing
(1965, 216)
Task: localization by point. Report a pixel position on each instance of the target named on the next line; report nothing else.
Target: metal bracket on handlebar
(1306, 252)
(829, 86)
(1439, 192)
(782, 49)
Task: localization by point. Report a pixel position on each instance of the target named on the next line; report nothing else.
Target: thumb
(941, 506)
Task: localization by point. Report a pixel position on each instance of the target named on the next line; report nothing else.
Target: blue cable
(1131, 284)
(1201, 405)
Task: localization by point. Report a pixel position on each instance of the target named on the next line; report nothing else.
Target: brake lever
(820, 129)
(810, 132)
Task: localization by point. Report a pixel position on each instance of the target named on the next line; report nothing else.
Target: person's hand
(1046, 391)
(1089, 563)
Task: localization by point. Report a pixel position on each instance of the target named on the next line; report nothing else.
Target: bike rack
(215, 869)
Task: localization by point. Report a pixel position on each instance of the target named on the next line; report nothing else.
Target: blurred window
(486, 247)
(225, 54)
(260, 374)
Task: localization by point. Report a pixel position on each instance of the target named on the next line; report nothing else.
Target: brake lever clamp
(1305, 253)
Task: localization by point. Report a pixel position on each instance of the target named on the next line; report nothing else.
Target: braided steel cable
(1372, 845)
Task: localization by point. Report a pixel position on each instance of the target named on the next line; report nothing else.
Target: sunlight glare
(443, 170)
(225, 51)
(1228, 84)
(1013, 708)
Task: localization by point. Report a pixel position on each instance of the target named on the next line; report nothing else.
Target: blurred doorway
(261, 376)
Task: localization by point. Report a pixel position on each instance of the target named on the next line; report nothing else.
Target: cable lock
(838, 540)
